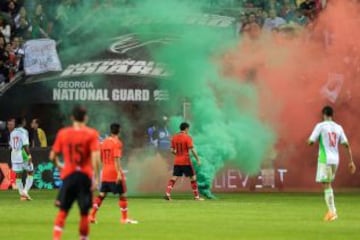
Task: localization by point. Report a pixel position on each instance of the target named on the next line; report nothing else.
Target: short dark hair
(19, 121)
(328, 111)
(184, 126)
(79, 112)
(115, 128)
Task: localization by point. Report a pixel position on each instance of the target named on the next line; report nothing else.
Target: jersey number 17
(332, 139)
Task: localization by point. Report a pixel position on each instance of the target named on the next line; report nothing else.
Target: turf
(232, 216)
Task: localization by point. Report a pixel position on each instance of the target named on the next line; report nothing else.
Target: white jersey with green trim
(329, 134)
(19, 138)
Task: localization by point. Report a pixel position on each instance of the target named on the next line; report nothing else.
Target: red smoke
(297, 72)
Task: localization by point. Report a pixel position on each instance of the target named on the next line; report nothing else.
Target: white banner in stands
(333, 86)
(41, 57)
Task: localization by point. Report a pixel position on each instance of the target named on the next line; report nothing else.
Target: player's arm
(344, 141)
(54, 157)
(26, 146)
(118, 168)
(27, 150)
(310, 142)
(172, 148)
(95, 160)
(352, 166)
(56, 150)
(190, 146)
(314, 135)
(193, 151)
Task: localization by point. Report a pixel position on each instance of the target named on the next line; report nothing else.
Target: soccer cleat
(92, 219)
(128, 221)
(26, 196)
(23, 198)
(329, 216)
(206, 193)
(199, 199)
(167, 197)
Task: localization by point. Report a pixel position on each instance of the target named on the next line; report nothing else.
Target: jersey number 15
(76, 153)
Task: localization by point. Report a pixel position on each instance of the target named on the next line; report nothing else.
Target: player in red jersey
(181, 144)
(112, 177)
(79, 147)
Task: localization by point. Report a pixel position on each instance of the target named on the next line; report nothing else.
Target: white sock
(19, 185)
(329, 199)
(29, 182)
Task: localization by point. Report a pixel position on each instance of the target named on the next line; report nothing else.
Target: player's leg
(177, 172)
(325, 175)
(329, 193)
(84, 198)
(18, 169)
(98, 202)
(189, 172)
(64, 201)
(29, 179)
(120, 188)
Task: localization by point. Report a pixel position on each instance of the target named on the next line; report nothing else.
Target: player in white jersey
(21, 158)
(329, 134)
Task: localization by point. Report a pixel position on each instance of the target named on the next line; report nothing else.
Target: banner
(41, 57)
(152, 175)
(333, 86)
(128, 67)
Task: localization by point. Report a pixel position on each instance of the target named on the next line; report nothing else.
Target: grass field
(232, 216)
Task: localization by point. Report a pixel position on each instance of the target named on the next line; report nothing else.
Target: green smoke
(224, 113)
(225, 125)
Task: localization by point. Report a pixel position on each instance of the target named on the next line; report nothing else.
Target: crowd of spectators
(272, 15)
(21, 20)
(37, 135)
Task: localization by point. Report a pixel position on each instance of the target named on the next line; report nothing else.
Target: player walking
(21, 158)
(329, 134)
(79, 146)
(112, 177)
(181, 144)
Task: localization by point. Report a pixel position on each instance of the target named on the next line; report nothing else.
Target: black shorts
(76, 186)
(180, 170)
(113, 187)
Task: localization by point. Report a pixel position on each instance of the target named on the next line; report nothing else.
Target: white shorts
(24, 166)
(326, 172)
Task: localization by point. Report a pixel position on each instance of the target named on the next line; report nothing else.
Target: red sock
(170, 187)
(59, 224)
(84, 226)
(123, 207)
(96, 205)
(194, 187)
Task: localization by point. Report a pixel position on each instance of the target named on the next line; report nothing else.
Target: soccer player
(181, 144)
(21, 158)
(79, 147)
(112, 177)
(329, 134)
